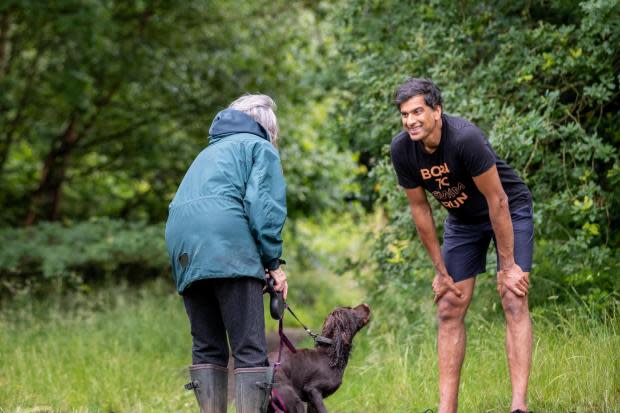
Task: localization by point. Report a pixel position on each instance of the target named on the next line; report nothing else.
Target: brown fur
(310, 375)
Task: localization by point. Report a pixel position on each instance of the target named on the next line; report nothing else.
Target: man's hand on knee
(513, 279)
(444, 283)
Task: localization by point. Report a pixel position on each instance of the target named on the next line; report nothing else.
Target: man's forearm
(425, 226)
(499, 213)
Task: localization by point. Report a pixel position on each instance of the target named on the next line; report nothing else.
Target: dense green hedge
(63, 257)
(55, 254)
(542, 79)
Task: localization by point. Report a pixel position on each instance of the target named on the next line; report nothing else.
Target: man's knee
(515, 307)
(451, 308)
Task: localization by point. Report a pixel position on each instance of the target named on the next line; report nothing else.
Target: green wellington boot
(210, 384)
(252, 388)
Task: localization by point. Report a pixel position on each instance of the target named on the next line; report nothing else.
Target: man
(450, 158)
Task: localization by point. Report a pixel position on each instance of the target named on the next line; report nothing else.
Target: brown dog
(310, 375)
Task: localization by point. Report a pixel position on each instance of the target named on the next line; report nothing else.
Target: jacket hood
(231, 121)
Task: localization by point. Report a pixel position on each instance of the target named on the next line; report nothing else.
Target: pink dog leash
(276, 401)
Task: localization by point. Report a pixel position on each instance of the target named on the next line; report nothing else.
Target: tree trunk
(46, 199)
(5, 25)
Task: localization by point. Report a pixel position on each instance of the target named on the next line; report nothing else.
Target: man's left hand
(513, 279)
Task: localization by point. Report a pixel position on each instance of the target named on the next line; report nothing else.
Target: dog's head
(341, 325)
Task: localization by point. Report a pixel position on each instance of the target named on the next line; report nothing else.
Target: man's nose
(410, 120)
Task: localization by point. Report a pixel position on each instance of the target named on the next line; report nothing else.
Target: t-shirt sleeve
(404, 171)
(475, 152)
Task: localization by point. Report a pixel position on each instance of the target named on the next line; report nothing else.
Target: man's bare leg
(451, 341)
(518, 346)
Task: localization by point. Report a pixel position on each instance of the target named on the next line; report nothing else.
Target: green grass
(117, 349)
(124, 350)
(111, 351)
(576, 368)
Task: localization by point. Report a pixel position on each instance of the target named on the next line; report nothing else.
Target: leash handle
(276, 302)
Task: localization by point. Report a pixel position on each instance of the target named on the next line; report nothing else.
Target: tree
(541, 78)
(106, 103)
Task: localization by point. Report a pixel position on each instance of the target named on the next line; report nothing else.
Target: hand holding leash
(277, 287)
(279, 276)
(276, 301)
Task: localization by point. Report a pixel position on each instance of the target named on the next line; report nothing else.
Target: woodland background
(104, 104)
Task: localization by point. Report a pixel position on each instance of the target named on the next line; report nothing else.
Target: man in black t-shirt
(450, 158)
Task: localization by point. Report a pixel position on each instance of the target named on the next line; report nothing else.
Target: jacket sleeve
(265, 203)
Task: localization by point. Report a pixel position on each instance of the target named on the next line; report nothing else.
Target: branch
(100, 104)
(5, 25)
(6, 142)
(117, 134)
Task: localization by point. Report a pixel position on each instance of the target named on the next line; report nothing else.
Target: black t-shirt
(447, 173)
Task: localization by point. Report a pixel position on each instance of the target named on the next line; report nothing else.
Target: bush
(85, 252)
(541, 79)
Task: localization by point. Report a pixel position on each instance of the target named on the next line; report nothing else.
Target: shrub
(541, 79)
(74, 254)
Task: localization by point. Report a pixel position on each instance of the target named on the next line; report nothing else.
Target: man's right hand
(444, 283)
(279, 278)
(513, 279)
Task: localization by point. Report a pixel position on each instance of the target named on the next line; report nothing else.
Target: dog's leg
(316, 402)
(292, 402)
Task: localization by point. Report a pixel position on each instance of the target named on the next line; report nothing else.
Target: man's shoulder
(458, 124)
(400, 140)
(462, 131)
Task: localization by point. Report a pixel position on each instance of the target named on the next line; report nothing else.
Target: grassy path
(125, 351)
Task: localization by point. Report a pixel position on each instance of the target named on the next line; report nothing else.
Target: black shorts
(465, 246)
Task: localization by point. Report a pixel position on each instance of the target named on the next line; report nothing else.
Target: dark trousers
(216, 307)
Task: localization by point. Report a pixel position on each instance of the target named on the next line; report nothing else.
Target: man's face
(419, 120)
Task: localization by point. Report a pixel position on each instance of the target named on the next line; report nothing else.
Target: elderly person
(223, 235)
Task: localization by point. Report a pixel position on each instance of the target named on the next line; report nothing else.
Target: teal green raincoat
(227, 216)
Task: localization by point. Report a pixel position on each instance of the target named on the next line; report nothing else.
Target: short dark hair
(416, 87)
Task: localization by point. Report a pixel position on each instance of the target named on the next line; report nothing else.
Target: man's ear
(437, 112)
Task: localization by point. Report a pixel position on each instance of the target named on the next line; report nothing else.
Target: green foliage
(318, 175)
(541, 78)
(52, 254)
(105, 104)
(75, 256)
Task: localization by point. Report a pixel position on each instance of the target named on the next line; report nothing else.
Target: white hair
(261, 108)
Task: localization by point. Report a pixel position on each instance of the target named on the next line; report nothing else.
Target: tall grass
(112, 351)
(575, 368)
(124, 350)
(116, 349)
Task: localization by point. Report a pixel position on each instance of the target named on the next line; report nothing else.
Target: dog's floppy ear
(331, 326)
(339, 350)
(339, 327)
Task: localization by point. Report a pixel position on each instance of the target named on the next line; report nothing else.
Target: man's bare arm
(425, 225)
(490, 186)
